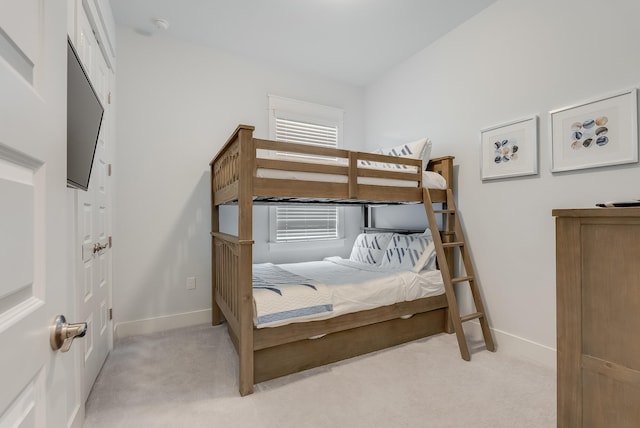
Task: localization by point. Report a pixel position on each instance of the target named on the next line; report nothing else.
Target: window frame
(302, 111)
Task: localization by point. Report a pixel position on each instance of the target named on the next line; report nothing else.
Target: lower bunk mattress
(309, 291)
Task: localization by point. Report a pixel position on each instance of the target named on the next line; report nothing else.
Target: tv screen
(84, 117)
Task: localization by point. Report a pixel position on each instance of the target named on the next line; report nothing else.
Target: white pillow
(419, 149)
(414, 252)
(433, 180)
(369, 247)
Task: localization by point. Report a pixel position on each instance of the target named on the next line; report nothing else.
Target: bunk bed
(237, 177)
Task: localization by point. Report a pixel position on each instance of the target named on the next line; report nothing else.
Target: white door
(93, 275)
(33, 258)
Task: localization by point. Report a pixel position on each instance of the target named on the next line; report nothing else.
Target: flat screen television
(84, 118)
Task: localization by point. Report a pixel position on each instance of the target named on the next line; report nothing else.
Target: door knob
(63, 333)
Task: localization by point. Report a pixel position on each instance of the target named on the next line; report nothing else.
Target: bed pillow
(419, 149)
(369, 247)
(433, 180)
(413, 252)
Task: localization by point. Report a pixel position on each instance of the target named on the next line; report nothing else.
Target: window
(304, 223)
(295, 131)
(304, 123)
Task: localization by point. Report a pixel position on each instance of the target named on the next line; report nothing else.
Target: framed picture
(510, 149)
(595, 133)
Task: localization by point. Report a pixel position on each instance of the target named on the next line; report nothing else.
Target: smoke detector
(161, 23)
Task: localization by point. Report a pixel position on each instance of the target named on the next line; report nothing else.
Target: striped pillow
(419, 149)
(409, 252)
(369, 247)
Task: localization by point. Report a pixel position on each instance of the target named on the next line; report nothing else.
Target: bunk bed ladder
(452, 238)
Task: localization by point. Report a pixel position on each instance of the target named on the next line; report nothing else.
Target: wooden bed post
(245, 237)
(216, 319)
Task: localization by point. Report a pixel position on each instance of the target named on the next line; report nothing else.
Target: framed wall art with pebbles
(509, 149)
(595, 133)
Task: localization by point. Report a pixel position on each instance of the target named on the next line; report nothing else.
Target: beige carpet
(188, 378)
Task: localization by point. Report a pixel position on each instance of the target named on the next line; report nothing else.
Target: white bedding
(430, 179)
(279, 295)
(354, 287)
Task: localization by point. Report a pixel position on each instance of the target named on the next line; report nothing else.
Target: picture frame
(510, 149)
(595, 133)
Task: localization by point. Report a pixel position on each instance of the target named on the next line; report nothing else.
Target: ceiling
(352, 41)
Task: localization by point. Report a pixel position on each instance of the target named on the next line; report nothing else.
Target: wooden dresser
(598, 317)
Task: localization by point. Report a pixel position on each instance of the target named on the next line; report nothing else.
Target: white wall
(516, 58)
(177, 105)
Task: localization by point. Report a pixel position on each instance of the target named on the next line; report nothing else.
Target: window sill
(306, 245)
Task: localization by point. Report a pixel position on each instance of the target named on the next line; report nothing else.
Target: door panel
(16, 261)
(33, 264)
(85, 43)
(19, 39)
(21, 297)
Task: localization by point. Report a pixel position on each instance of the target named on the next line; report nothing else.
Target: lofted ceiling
(352, 41)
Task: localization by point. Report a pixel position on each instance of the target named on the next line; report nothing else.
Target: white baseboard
(515, 345)
(168, 322)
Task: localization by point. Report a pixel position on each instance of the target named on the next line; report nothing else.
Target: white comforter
(351, 287)
(280, 295)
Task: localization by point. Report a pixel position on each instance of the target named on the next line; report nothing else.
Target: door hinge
(109, 170)
(110, 314)
(109, 98)
(110, 242)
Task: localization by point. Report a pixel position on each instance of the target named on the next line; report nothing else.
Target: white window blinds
(305, 222)
(293, 131)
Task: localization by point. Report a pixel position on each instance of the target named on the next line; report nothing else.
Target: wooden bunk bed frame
(268, 353)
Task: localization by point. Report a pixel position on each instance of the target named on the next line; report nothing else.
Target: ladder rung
(471, 316)
(461, 279)
(444, 211)
(447, 233)
(453, 244)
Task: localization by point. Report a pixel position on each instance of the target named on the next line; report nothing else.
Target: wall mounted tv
(84, 118)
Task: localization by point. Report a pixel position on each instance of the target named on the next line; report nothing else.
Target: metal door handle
(63, 333)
